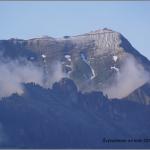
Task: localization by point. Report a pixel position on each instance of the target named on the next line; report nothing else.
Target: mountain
(85, 91)
(63, 117)
(92, 60)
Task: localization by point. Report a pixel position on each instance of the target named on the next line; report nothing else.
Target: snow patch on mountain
(93, 73)
(83, 57)
(43, 56)
(131, 76)
(68, 57)
(115, 68)
(115, 58)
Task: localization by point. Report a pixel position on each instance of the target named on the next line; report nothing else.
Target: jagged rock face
(91, 60)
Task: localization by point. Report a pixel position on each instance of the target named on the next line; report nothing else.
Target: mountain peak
(104, 30)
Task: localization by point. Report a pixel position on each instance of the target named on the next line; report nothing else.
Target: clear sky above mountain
(34, 19)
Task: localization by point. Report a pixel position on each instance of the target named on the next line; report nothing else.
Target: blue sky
(57, 18)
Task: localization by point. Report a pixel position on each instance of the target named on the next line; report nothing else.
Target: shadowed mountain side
(141, 95)
(62, 117)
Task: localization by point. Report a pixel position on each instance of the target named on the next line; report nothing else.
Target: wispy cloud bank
(132, 75)
(15, 72)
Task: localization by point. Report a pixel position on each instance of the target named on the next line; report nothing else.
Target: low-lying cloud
(15, 72)
(55, 74)
(131, 76)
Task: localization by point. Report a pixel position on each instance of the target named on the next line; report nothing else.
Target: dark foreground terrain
(62, 117)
